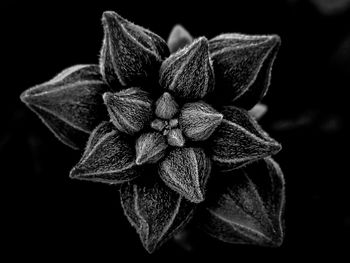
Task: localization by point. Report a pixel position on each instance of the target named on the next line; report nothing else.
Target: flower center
(170, 129)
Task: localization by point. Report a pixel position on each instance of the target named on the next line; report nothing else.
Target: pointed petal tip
(107, 16)
(24, 97)
(106, 96)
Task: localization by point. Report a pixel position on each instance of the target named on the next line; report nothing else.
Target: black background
(49, 216)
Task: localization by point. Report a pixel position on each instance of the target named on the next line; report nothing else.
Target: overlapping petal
(239, 140)
(70, 104)
(247, 205)
(242, 66)
(186, 170)
(150, 148)
(156, 211)
(130, 109)
(131, 55)
(188, 73)
(108, 158)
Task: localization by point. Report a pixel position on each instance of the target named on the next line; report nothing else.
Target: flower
(160, 118)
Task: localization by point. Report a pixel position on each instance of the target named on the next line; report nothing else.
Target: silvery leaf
(186, 170)
(156, 211)
(239, 140)
(150, 147)
(188, 73)
(246, 206)
(109, 157)
(242, 66)
(130, 54)
(70, 104)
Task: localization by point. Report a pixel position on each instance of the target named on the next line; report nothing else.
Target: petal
(130, 109)
(130, 54)
(242, 66)
(258, 111)
(188, 73)
(175, 138)
(70, 104)
(239, 140)
(150, 148)
(166, 106)
(247, 207)
(156, 211)
(199, 120)
(186, 171)
(178, 38)
(109, 157)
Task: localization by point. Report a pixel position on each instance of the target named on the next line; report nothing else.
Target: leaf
(188, 73)
(258, 111)
(157, 212)
(108, 158)
(70, 104)
(186, 171)
(178, 38)
(166, 106)
(246, 207)
(150, 148)
(131, 55)
(130, 109)
(199, 120)
(175, 138)
(242, 66)
(239, 140)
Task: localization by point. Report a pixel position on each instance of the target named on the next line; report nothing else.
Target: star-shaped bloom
(165, 120)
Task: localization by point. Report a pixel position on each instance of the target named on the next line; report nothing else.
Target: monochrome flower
(162, 119)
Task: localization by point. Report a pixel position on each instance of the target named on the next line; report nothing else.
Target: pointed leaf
(108, 158)
(247, 207)
(242, 66)
(130, 109)
(70, 104)
(130, 54)
(239, 140)
(166, 106)
(199, 120)
(150, 148)
(186, 170)
(188, 73)
(178, 38)
(156, 211)
(175, 138)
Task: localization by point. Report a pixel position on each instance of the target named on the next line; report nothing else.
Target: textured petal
(199, 120)
(166, 106)
(130, 109)
(178, 38)
(175, 138)
(70, 104)
(156, 211)
(242, 66)
(186, 170)
(258, 111)
(109, 157)
(150, 148)
(247, 207)
(239, 140)
(188, 73)
(130, 55)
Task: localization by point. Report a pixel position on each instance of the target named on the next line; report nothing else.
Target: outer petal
(179, 38)
(109, 157)
(188, 73)
(130, 54)
(130, 109)
(247, 206)
(186, 170)
(70, 104)
(156, 211)
(239, 140)
(242, 66)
